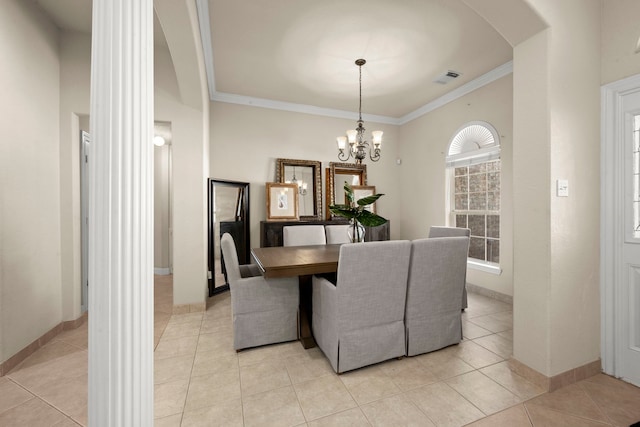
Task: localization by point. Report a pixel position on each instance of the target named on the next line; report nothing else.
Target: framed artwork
(282, 201)
(360, 191)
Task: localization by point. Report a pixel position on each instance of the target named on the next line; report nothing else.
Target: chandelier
(302, 186)
(358, 146)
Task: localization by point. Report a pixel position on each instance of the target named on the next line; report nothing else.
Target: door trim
(85, 141)
(612, 219)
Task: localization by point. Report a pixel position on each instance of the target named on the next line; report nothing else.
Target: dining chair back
(433, 315)
(359, 320)
(440, 231)
(337, 234)
(302, 235)
(265, 311)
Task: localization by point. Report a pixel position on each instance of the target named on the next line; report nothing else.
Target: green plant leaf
(356, 210)
(348, 192)
(366, 201)
(344, 211)
(369, 219)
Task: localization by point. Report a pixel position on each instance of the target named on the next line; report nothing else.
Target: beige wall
(187, 137)
(30, 288)
(425, 142)
(46, 102)
(161, 200)
(75, 75)
(245, 142)
(556, 240)
(620, 38)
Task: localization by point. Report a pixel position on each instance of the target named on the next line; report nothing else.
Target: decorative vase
(355, 231)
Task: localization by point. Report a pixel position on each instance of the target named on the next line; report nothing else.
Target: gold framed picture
(360, 191)
(282, 201)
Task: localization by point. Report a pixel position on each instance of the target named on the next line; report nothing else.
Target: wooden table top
(287, 261)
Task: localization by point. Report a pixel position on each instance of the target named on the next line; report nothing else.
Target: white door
(621, 229)
(85, 139)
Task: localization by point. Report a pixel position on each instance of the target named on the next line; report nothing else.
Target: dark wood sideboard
(271, 231)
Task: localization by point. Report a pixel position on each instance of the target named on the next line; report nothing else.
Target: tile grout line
(611, 422)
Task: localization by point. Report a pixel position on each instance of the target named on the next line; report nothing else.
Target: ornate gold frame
(317, 183)
(349, 168)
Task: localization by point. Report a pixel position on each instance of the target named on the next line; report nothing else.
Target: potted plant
(355, 211)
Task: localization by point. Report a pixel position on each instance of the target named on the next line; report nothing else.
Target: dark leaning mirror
(307, 174)
(228, 212)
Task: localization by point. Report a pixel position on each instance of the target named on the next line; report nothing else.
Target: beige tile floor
(201, 381)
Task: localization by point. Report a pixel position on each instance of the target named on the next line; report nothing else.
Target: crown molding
(202, 10)
(477, 83)
(299, 108)
(202, 7)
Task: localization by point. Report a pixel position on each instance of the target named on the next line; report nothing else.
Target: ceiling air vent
(446, 77)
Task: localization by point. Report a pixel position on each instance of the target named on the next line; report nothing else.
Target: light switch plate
(562, 188)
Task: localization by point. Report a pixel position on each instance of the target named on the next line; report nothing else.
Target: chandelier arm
(344, 156)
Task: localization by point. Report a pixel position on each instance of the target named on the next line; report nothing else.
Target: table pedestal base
(304, 312)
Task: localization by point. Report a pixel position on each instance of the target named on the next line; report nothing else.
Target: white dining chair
(302, 235)
(337, 234)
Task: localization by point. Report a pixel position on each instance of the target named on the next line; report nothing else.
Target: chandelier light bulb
(377, 138)
(351, 134)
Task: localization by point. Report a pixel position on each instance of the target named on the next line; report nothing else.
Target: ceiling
(303, 51)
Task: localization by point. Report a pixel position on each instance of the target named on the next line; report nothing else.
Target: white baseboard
(161, 271)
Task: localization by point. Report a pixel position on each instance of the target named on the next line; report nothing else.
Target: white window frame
(473, 143)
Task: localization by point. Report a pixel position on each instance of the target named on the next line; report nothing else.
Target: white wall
(424, 146)
(246, 141)
(30, 289)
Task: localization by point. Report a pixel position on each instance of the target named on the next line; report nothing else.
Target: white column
(121, 215)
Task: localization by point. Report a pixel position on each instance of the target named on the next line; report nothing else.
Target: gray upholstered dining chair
(359, 320)
(433, 316)
(337, 234)
(265, 311)
(441, 231)
(301, 235)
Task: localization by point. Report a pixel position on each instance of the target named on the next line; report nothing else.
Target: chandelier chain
(360, 82)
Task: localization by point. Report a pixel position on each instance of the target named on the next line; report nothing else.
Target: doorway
(620, 229)
(163, 230)
(162, 195)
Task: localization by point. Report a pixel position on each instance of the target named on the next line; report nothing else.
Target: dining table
(303, 262)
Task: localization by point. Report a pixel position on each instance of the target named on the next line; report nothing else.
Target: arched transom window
(473, 165)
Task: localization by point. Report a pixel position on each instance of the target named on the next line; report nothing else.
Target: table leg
(305, 310)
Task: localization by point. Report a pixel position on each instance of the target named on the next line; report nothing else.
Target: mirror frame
(347, 168)
(244, 248)
(317, 183)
